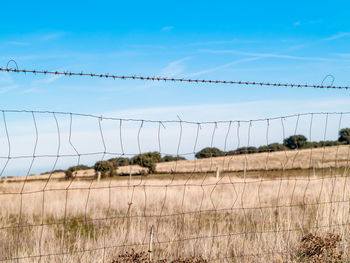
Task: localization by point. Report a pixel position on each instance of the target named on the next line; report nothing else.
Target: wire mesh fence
(267, 190)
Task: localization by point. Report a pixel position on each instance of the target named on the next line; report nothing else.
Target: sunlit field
(225, 220)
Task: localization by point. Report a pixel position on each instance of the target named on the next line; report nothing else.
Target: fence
(252, 205)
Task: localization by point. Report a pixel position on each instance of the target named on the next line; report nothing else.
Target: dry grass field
(241, 217)
(318, 158)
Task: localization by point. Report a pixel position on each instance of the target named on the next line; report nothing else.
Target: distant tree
(344, 135)
(209, 152)
(309, 145)
(120, 161)
(264, 148)
(275, 147)
(329, 143)
(147, 160)
(106, 168)
(246, 150)
(295, 142)
(70, 171)
(170, 158)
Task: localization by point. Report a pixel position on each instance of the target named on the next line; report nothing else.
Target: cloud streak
(167, 28)
(265, 55)
(337, 36)
(235, 62)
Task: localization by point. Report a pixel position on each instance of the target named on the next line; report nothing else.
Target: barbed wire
(167, 79)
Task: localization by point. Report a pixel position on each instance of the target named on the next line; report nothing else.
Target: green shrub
(121, 161)
(330, 143)
(106, 168)
(275, 147)
(243, 150)
(147, 160)
(295, 142)
(69, 172)
(344, 135)
(264, 148)
(170, 158)
(209, 152)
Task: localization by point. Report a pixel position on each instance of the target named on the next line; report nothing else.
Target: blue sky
(299, 41)
(293, 42)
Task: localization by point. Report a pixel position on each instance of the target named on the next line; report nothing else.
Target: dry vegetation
(244, 221)
(318, 158)
(283, 218)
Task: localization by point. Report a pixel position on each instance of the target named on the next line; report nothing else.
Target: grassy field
(252, 216)
(277, 163)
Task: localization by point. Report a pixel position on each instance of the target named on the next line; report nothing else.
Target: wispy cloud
(337, 36)
(174, 68)
(265, 55)
(213, 69)
(297, 23)
(226, 111)
(7, 84)
(167, 28)
(49, 79)
(252, 57)
(17, 43)
(38, 86)
(219, 42)
(5, 89)
(53, 36)
(32, 91)
(345, 55)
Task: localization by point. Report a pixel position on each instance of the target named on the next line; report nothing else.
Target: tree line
(108, 168)
(291, 143)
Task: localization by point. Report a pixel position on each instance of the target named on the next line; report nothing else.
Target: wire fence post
(217, 173)
(150, 244)
(245, 169)
(313, 168)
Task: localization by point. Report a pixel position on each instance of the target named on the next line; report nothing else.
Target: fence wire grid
(249, 206)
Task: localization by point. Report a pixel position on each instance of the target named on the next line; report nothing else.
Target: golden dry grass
(230, 220)
(242, 217)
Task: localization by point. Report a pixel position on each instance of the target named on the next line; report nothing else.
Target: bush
(344, 135)
(321, 249)
(295, 142)
(170, 158)
(272, 147)
(263, 149)
(309, 145)
(121, 161)
(106, 168)
(69, 172)
(244, 150)
(329, 143)
(148, 160)
(275, 147)
(209, 152)
(247, 150)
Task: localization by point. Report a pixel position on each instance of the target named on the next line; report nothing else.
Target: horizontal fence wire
(86, 188)
(147, 78)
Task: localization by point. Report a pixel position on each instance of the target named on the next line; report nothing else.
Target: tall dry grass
(226, 220)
